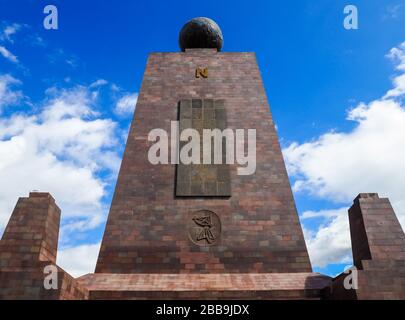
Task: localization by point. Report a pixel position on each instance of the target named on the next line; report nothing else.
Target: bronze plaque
(204, 228)
(201, 73)
(203, 180)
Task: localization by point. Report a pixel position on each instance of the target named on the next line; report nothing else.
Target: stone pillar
(29, 244)
(32, 232)
(376, 233)
(378, 245)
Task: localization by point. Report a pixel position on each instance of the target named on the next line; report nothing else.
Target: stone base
(266, 286)
(29, 244)
(28, 284)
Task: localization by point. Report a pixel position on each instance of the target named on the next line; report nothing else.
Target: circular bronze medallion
(204, 228)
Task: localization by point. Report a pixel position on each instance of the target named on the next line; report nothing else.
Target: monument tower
(154, 225)
(254, 217)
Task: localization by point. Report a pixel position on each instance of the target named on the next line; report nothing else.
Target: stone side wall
(28, 245)
(28, 284)
(32, 232)
(378, 244)
(146, 230)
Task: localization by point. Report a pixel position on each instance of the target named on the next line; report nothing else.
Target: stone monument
(200, 231)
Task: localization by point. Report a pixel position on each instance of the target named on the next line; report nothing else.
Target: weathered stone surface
(29, 244)
(378, 245)
(147, 229)
(32, 232)
(205, 286)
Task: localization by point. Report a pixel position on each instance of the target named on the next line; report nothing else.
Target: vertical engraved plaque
(203, 180)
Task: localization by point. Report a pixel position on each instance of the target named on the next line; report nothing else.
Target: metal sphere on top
(200, 33)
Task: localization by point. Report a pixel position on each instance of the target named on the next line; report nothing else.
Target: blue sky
(77, 83)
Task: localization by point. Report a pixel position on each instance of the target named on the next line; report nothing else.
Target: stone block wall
(147, 228)
(378, 245)
(28, 245)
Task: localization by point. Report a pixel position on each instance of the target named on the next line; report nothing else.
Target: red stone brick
(381, 263)
(144, 200)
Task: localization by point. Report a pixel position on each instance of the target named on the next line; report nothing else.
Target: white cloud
(392, 11)
(9, 31)
(37, 41)
(79, 260)
(115, 88)
(339, 165)
(98, 83)
(59, 56)
(7, 95)
(60, 150)
(331, 243)
(8, 55)
(323, 213)
(399, 87)
(126, 104)
(397, 55)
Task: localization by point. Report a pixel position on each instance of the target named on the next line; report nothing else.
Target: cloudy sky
(67, 97)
